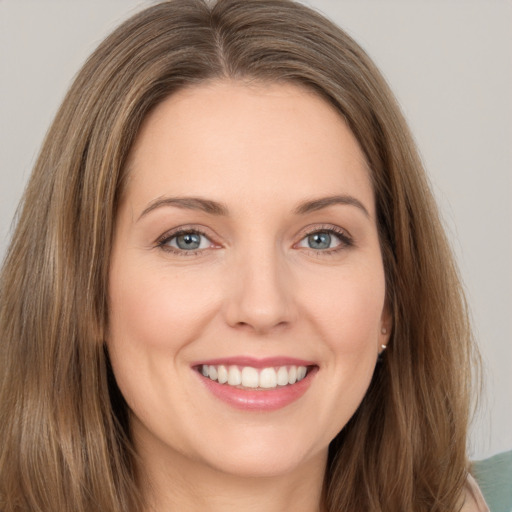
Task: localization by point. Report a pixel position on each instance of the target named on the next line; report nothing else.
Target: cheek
(347, 309)
(157, 310)
(154, 316)
(344, 310)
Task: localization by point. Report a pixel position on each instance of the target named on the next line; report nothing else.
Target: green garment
(494, 477)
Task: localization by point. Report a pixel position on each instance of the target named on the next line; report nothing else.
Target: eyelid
(162, 240)
(346, 239)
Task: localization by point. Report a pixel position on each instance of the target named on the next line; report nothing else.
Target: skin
(254, 288)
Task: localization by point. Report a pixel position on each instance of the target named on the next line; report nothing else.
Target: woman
(229, 286)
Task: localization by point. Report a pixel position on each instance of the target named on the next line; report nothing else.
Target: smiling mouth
(248, 377)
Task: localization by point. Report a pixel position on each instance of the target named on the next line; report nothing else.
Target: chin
(262, 465)
(256, 455)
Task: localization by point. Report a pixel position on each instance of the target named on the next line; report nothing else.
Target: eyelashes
(326, 240)
(192, 241)
(185, 241)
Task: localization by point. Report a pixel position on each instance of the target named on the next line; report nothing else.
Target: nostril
(260, 327)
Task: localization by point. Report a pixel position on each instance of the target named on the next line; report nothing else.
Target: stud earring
(381, 352)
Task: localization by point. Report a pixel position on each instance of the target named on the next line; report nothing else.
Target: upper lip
(253, 362)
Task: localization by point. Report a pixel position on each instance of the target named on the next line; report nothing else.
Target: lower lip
(263, 400)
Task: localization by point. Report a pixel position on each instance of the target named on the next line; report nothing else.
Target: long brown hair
(65, 439)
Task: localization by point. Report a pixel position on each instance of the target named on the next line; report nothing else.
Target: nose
(260, 296)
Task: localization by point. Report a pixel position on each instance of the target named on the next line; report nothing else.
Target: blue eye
(326, 240)
(320, 240)
(186, 241)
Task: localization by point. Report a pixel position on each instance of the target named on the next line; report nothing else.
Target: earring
(384, 330)
(381, 352)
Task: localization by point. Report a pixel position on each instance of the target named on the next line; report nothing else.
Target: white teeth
(249, 377)
(234, 376)
(282, 376)
(212, 372)
(222, 374)
(268, 378)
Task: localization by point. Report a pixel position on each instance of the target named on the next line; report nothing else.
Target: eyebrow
(216, 208)
(324, 202)
(187, 203)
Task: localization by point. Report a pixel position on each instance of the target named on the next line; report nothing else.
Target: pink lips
(256, 363)
(258, 400)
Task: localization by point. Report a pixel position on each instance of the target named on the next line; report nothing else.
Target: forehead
(258, 141)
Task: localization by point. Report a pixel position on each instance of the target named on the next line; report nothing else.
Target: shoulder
(473, 499)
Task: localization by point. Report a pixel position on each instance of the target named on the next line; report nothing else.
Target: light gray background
(450, 65)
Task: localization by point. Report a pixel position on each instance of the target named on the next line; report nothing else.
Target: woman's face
(245, 255)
